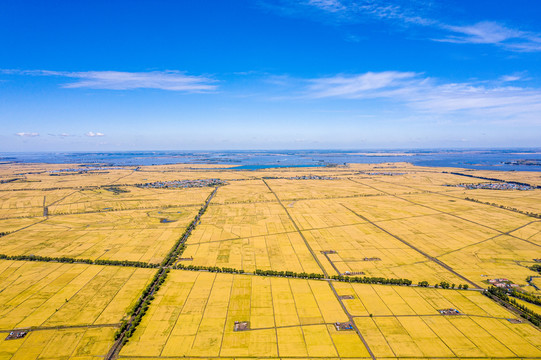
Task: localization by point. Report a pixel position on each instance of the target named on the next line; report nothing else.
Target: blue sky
(269, 74)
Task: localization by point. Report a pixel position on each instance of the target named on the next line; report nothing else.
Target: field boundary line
(453, 214)
(298, 317)
(437, 261)
(180, 313)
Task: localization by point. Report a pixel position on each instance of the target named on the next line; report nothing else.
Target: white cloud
(488, 32)
(426, 95)
(509, 78)
(118, 80)
(361, 85)
(26, 134)
(94, 134)
(408, 13)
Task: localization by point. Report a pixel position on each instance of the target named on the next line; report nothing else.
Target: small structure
(16, 334)
(372, 259)
(344, 326)
(449, 312)
(351, 273)
(328, 251)
(186, 259)
(347, 297)
(241, 326)
(515, 321)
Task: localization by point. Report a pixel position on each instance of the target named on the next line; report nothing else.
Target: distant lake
(486, 159)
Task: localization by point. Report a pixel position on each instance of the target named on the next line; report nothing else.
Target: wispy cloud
(118, 80)
(361, 85)
(94, 134)
(429, 95)
(488, 32)
(410, 13)
(27, 134)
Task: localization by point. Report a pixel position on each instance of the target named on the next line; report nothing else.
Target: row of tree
(446, 285)
(210, 269)
(527, 213)
(69, 260)
(536, 300)
(372, 280)
(526, 313)
(142, 305)
(302, 275)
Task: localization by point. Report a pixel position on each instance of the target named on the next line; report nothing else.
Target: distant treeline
(492, 179)
(527, 213)
(69, 260)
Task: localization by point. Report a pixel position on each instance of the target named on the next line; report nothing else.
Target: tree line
(527, 213)
(63, 259)
(503, 295)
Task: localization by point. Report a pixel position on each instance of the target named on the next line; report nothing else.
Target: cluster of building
(503, 283)
(85, 169)
(449, 311)
(495, 186)
(304, 177)
(182, 184)
(341, 326)
(384, 173)
(16, 334)
(310, 177)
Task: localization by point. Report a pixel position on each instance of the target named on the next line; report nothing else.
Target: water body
(252, 160)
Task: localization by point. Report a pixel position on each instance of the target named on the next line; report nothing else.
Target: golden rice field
(74, 344)
(195, 312)
(194, 315)
(51, 297)
(376, 220)
(135, 235)
(37, 294)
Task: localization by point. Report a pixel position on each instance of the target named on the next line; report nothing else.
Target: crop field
(249, 236)
(310, 189)
(72, 309)
(357, 227)
(105, 199)
(28, 203)
(194, 315)
(393, 259)
(405, 322)
(529, 201)
(135, 235)
(36, 294)
(75, 344)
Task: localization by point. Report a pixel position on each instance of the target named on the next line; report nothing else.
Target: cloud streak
(427, 95)
(488, 32)
(27, 134)
(408, 14)
(118, 80)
